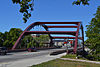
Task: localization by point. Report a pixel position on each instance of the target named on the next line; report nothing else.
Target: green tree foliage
(6, 43)
(78, 2)
(28, 41)
(26, 6)
(13, 35)
(1, 38)
(8, 39)
(42, 39)
(93, 34)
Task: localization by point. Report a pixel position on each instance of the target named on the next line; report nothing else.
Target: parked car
(3, 50)
(32, 49)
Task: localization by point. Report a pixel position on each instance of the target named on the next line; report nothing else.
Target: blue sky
(46, 10)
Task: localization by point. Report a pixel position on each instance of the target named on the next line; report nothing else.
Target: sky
(46, 11)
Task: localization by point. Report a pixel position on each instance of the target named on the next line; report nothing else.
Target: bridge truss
(75, 34)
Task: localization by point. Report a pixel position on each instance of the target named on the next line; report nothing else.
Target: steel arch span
(76, 25)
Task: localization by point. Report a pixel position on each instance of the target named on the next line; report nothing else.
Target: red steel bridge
(47, 25)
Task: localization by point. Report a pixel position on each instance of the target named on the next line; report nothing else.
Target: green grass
(72, 56)
(66, 63)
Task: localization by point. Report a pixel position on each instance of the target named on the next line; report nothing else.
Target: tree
(8, 39)
(93, 34)
(28, 41)
(78, 2)
(41, 39)
(6, 43)
(1, 38)
(26, 6)
(13, 35)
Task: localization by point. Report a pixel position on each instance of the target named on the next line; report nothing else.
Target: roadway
(10, 57)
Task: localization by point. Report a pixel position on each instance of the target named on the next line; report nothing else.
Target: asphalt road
(10, 57)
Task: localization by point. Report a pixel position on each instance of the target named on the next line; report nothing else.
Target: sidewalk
(31, 61)
(97, 62)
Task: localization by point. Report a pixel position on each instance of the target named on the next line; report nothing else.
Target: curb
(96, 62)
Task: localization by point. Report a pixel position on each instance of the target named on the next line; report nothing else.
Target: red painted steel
(75, 33)
(63, 37)
(62, 26)
(51, 32)
(76, 39)
(18, 41)
(66, 38)
(57, 23)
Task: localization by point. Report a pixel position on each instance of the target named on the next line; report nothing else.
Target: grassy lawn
(72, 56)
(66, 63)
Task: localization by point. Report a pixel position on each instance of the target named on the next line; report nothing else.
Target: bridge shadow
(7, 54)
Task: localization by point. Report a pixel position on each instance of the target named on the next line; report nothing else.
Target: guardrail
(21, 50)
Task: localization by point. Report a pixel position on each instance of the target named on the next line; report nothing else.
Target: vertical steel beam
(76, 38)
(82, 36)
